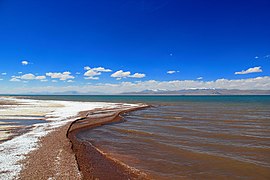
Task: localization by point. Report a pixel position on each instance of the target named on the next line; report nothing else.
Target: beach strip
(45, 151)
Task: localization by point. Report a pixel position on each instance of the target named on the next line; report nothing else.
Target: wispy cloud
(200, 78)
(4, 73)
(172, 72)
(267, 56)
(261, 57)
(28, 76)
(14, 79)
(250, 70)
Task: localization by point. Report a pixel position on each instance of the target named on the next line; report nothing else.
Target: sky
(133, 45)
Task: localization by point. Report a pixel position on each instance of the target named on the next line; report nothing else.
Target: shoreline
(45, 151)
(92, 162)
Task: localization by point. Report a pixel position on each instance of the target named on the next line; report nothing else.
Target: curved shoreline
(45, 152)
(92, 162)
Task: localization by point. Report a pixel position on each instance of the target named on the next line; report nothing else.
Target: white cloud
(250, 70)
(1, 79)
(86, 68)
(54, 81)
(28, 76)
(93, 73)
(19, 72)
(93, 78)
(40, 77)
(122, 74)
(171, 72)
(101, 69)
(137, 75)
(78, 73)
(256, 57)
(4, 73)
(14, 79)
(262, 83)
(200, 78)
(25, 62)
(70, 81)
(61, 76)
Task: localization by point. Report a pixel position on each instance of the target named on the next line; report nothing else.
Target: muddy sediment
(93, 163)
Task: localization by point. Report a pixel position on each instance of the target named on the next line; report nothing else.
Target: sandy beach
(51, 150)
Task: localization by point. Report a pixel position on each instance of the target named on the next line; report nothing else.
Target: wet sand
(62, 155)
(6, 130)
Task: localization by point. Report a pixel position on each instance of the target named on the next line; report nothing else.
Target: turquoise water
(126, 98)
(190, 137)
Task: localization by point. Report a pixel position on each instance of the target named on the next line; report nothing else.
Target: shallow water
(193, 138)
(21, 122)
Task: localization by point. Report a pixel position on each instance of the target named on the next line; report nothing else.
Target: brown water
(192, 139)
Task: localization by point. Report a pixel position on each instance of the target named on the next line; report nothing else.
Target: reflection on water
(192, 139)
(13, 127)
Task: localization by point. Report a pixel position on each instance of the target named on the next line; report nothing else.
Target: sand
(53, 159)
(56, 114)
(52, 150)
(63, 156)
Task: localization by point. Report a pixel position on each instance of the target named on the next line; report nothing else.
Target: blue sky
(127, 45)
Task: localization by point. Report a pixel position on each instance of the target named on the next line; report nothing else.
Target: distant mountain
(201, 92)
(167, 92)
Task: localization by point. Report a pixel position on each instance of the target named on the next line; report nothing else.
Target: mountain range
(201, 92)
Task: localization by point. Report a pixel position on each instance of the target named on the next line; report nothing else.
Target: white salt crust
(57, 113)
